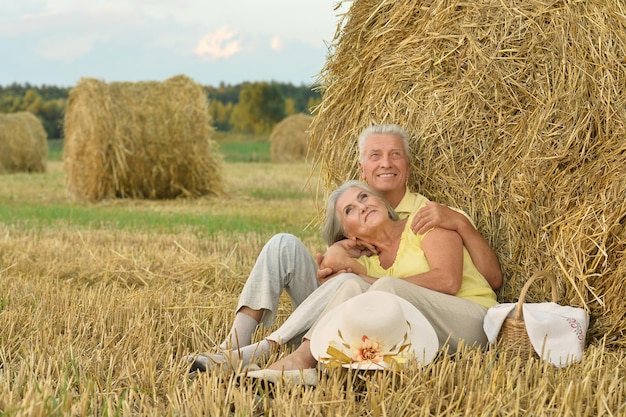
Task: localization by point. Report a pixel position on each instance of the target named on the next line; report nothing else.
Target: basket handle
(522, 294)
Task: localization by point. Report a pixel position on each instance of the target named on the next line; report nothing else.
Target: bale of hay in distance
(140, 140)
(289, 141)
(24, 143)
(517, 114)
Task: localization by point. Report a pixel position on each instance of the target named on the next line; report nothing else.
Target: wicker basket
(513, 336)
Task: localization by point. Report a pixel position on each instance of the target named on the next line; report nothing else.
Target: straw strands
(140, 140)
(98, 322)
(23, 141)
(517, 115)
(289, 141)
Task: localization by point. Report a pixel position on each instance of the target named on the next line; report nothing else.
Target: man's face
(385, 164)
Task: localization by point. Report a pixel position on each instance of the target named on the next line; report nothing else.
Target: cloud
(66, 49)
(277, 44)
(221, 44)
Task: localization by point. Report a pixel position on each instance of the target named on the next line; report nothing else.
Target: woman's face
(360, 212)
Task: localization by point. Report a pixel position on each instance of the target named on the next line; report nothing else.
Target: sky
(58, 42)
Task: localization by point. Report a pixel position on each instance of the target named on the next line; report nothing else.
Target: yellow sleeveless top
(410, 260)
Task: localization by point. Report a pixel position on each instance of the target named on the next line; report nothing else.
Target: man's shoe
(208, 361)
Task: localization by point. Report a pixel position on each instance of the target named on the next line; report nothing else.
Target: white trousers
(283, 264)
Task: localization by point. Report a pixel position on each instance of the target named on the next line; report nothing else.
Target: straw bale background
(140, 140)
(23, 143)
(517, 114)
(289, 141)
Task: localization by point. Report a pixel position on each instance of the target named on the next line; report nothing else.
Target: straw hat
(374, 330)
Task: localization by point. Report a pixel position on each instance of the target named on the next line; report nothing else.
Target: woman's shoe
(306, 377)
(227, 362)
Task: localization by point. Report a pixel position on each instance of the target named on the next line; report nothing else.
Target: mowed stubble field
(101, 302)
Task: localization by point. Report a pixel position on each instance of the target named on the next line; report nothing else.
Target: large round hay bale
(289, 141)
(517, 114)
(140, 140)
(23, 143)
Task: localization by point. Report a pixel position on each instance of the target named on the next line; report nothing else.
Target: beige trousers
(453, 318)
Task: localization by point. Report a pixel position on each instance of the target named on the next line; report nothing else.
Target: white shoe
(205, 362)
(306, 377)
(208, 361)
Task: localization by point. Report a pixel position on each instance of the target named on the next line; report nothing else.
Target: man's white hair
(395, 130)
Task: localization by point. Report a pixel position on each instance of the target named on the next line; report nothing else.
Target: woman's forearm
(337, 259)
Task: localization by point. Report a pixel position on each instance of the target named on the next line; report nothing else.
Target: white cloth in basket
(557, 333)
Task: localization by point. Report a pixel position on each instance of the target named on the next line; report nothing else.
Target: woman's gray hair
(395, 130)
(332, 230)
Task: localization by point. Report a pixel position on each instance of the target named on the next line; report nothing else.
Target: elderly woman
(433, 271)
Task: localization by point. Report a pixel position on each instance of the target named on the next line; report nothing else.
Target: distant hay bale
(517, 114)
(289, 140)
(140, 140)
(23, 143)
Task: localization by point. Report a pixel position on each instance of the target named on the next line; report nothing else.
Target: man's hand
(435, 215)
(355, 248)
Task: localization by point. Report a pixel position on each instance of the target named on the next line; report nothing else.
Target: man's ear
(361, 171)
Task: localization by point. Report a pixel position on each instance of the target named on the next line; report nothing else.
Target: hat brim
(422, 336)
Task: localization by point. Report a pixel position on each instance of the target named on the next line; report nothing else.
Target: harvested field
(97, 319)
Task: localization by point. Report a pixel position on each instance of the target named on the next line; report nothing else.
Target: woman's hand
(339, 258)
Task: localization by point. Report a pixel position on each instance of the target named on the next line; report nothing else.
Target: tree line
(249, 107)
